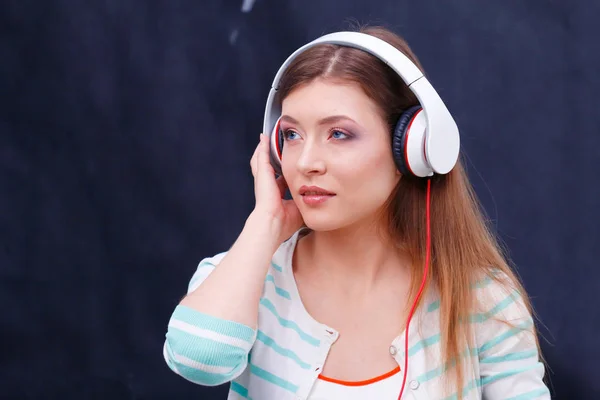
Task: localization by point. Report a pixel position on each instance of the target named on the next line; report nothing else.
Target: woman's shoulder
(505, 337)
(284, 253)
(280, 259)
(499, 295)
(205, 267)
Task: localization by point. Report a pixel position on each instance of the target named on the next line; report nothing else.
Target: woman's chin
(321, 223)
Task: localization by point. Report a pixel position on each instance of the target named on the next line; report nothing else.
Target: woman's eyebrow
(324, 121)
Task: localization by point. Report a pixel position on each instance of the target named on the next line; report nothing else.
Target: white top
(282, 358)
(383, 389)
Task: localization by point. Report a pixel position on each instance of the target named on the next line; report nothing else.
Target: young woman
(316, 297)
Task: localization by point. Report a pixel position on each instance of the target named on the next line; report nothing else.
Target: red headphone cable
(427, 257)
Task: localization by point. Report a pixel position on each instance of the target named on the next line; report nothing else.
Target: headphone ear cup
(276, 142)
(399, 138)
(275, 149)
(280, 140)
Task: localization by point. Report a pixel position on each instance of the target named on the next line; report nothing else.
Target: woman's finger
(254, 159)
(262, 161)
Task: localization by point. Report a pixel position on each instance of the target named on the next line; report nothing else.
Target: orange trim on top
(361, 383)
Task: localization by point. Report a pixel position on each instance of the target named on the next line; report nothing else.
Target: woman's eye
(335, 134)
(290, 135)
(339, 135)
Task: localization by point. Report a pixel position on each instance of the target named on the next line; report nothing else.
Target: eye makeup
(336, 133)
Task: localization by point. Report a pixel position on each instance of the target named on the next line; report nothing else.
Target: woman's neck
(354, 261)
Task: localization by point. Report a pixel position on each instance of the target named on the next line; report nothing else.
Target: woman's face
(336, 140)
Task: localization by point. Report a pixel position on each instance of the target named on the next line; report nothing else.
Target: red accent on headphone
(427, 257)
(277, 146)
(406, 141)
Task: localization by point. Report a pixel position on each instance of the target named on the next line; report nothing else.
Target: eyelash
(331, 131)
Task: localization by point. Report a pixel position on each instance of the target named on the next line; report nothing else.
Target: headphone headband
(371, 44)
(442, 141)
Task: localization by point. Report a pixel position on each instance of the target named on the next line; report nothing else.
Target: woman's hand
(269, 193)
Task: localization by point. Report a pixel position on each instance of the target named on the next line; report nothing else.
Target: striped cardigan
(282, 358)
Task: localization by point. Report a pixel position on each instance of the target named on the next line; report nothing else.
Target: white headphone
(423, 143)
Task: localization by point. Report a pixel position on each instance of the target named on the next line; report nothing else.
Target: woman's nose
(311, 160)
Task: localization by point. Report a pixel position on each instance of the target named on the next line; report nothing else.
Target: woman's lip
(315, 191)
(316, 199)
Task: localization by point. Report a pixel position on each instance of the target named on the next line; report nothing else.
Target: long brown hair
(463, 247)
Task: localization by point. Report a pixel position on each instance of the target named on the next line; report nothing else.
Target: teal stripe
(200, 274)
(434, 373)
(519, 355)
(531, 395)
(423, 344)
(170, 357)
(283, 293)
(478, 285)
(433, 306)
(206, 378)
(280, 350)
(470, 386)
(274, 379)
(480, 382)
(218, 325)
(505, 374)
(277, 267)
(493, 378)
(483, 283)
(203, 350)
(508, 334)
(239, 389)
(205, 264)
(482, 317)
(290, 324)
